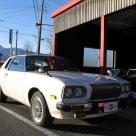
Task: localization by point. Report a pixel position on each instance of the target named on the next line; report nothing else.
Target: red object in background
(67, 6)
(103, 45)
(54, 45)
(103, 36)
(101, 105)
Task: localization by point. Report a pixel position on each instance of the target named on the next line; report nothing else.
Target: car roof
(34, 55)
(29, 55)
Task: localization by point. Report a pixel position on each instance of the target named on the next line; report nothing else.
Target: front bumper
(91, 108)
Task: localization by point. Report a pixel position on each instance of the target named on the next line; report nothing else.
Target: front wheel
(3, 98)
(39, 111)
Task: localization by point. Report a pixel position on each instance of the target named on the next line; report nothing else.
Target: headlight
(78, 92)
(68, 92)
(74, 92)
(125, 88)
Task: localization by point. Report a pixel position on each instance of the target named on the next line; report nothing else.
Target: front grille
(105, 91)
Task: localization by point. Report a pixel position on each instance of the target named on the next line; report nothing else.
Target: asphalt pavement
(15, 121)
(10, 126)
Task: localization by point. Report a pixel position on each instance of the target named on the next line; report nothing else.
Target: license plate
(110, 106)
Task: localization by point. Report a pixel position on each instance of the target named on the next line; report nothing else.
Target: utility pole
(11, 41)
(39, 25)
(16, 41)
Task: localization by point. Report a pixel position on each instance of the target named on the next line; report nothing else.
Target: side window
(7, 65)
(41, 63)
(18, 64)
(34, 63)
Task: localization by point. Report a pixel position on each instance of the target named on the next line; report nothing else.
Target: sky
(19, 15)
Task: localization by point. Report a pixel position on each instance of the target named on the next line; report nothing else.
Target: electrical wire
(51, 5)
(35, 11)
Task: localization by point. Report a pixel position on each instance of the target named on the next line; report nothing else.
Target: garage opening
(81, 44)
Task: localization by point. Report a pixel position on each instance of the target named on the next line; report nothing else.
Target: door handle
(6, 74)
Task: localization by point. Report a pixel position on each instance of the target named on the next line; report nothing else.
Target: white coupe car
(53, 88)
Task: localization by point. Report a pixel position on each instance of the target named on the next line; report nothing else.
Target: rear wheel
(39, 111)
(3, 98)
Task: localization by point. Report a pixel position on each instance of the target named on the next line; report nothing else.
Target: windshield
(47, 63)
(59, 63)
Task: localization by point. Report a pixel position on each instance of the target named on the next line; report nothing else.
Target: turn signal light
(53, 97)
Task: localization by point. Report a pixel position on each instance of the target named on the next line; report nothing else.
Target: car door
(14, 78)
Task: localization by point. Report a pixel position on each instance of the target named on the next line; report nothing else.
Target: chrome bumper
(89, 107)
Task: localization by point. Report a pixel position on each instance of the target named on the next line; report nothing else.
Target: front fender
(45, 84)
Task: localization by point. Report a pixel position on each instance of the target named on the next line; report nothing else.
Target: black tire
(39, 111)
(3, 98)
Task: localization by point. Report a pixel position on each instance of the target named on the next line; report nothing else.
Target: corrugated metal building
(97, 24)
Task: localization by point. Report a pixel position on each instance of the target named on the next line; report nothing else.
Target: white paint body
(17, 85)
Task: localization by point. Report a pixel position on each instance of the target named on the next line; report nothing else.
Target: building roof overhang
(78, 12)
(67, 6)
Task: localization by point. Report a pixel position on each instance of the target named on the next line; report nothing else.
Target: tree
(49, 41)
(28, 47)
(49, 44)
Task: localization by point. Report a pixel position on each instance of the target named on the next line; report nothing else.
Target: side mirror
(113, 72)
(15, 63)
(41, 70)
(109, 72)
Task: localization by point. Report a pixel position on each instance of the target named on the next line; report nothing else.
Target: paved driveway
(15, 120)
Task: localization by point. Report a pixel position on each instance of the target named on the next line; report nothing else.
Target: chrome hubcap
(37, 109)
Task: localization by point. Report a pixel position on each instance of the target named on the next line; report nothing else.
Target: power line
(17, 14)
(20, 33)
(44, 24)
(5, 27)
(26, 34)
(52, 4)
(25, 24)
(35, 11)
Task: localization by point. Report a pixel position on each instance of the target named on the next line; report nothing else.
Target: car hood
(86, 78)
